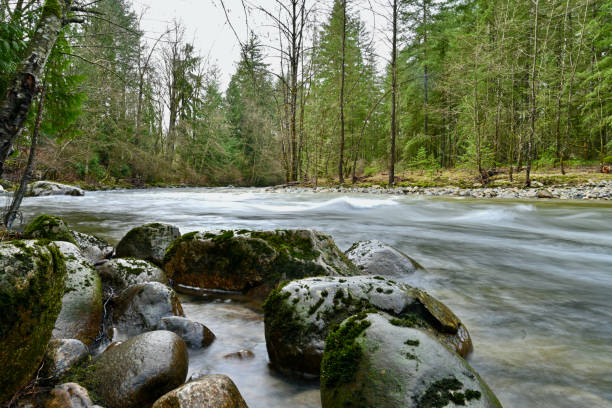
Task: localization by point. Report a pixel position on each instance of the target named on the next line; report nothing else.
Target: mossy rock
(82, 309)
(377, 258)
(93, 248)
(32, 275)
(135, 373)
(119, 273)
(215, 390)
(148, 242)
(299, 316)
(253, 262)
(369, 362)
(49, 227)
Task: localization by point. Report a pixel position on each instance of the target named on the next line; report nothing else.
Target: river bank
(594, 190)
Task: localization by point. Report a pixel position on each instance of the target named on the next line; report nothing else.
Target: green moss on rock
(31, 288)
(49, 227)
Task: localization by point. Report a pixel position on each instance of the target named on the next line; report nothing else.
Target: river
(532, 281)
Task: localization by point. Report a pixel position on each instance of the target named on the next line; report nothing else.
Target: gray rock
(211, 391)
(48, 188)
(82, 310)
(69, 395)
(137, 372)
(61, 355)
(120, 273)
(544, 194)
(377, 258)
(148, 242)
(253, 261)
(140, 307)
(371, 362)
(298, 316)
(93, 248)
(32, 278)
(195, 334)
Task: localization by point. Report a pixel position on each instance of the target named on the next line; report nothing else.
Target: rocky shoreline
(111, 332)
(591, 191)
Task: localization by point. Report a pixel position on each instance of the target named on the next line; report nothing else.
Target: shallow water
(532, 281)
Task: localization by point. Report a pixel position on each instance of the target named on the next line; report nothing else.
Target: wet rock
(61, 355)
(544, 194)
(211, 391)
(240, 355)
(137, 372)
(369, 361)
(120, 273)
(148, 242)
(32, 278)
(377, 258)
(82, 310)
(298, 316)
(49, 227)
(253, 262)
(69, 395)
(140, 307)
(93, 248)
(195, 334)
(48, 188)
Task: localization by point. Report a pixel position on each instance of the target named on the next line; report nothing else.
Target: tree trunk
(26, 82)
(533, 96)
(11, 214)
(393, 93)
(342, 75)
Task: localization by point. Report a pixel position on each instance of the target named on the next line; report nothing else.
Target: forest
(486, 86)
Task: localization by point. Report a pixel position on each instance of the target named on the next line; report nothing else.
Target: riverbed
(531, 280)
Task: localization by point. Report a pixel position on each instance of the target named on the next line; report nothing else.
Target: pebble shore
(591, 191)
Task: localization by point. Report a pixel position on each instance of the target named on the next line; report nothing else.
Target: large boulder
(137, 372)
(93, 248)
(195, 334)
(299, 315)
(49, 227)
(148, 242)
(250, 261)
(82, 309)
(211, 391)
(32, 278)
(140, 307)
(49, 188)
(61, 355)
(369, 361)
(119, 273)
(377, 258)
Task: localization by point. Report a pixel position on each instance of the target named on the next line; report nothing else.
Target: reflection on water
(532, 281)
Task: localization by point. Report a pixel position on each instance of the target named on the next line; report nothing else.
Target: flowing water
(532, 281)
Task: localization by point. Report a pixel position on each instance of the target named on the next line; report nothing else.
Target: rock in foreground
(120, 273)
(195, 334)
(298, 317)
(148, 242)
(211, 391)
(48, 188)
(49, 227)
(82, 310)
(254, 262)
(92, 247)
(377, 258)
(370, 362)
(31, 287)
(137, 372)
(61, 355)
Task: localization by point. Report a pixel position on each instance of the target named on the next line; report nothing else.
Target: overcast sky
(207, 28)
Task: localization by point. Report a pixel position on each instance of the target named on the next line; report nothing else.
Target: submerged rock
(32, 278)
(211, 391)
(137, 372)
(377, 258)
(254, 262)
(369, 361)
(82, 310)
(120, 273)
(195, 334)
(48, 188)
(140, 307)
(299, 315)
(93, 248)
(61, 355)
(148, 242)
(49, 227)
